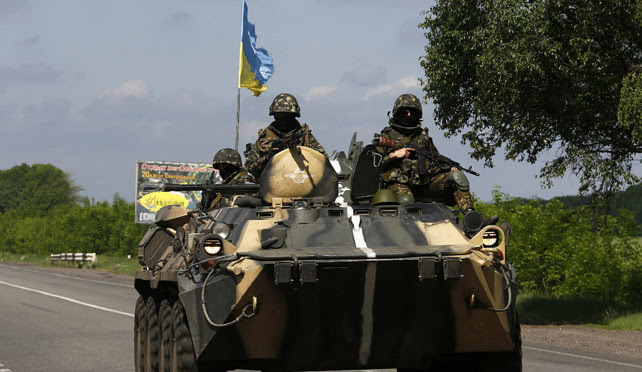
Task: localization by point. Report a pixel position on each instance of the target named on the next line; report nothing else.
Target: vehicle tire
(182, 357)
(509, 361)
(167, 334)
(153, 335)
(140, 335)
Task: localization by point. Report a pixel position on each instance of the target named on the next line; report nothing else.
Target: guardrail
(74, 257)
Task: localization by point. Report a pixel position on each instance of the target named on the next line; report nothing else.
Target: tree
(34, 190)
(532, 76)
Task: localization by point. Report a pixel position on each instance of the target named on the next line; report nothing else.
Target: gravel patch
(627, 344)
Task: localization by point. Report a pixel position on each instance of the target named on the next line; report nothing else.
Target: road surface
(53, 321)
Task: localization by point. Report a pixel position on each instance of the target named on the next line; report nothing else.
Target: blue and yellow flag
(255, 65)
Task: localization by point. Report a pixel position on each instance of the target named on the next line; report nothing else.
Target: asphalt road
(55, 322)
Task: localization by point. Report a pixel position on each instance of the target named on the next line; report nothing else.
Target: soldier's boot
(406, 199)
(403, 193)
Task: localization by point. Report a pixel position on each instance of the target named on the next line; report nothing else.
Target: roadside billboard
(149, 202)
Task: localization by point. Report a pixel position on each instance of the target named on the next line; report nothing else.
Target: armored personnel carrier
(311, 274)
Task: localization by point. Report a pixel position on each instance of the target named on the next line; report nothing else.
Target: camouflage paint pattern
(407, 101)
(307, 274)
(228, 156)
(285, 102)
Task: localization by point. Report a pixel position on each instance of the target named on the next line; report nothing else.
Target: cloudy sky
(93, 86)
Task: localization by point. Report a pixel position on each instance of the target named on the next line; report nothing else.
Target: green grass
(112, 264)
(535, 308)
(118, 265)
(35, 259)
(632, 321)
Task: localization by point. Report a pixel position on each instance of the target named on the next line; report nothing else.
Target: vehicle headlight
(490, 238)
(221, 230)
(212, 246)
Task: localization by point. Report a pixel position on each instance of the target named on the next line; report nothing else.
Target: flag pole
(238, 117)
(238, 93)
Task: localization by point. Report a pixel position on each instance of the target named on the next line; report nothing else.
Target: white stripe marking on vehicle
(357, 233)
(68, 299)
(366, 313)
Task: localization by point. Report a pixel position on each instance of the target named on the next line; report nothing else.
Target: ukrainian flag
(255, 65)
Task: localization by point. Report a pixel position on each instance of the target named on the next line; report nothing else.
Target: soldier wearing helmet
(230, 168)
(285, 131)
(401, 171)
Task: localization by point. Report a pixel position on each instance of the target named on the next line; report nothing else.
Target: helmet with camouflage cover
(407, 101)
(285, 102)
(228, 156)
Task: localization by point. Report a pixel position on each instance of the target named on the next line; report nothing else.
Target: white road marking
(65, 276)
(584, 357)
(67, 299)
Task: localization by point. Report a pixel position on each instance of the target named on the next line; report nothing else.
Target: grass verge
(632, 321)
(536, 308)
(112, 264)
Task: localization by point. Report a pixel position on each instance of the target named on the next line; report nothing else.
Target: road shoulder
(622, 343)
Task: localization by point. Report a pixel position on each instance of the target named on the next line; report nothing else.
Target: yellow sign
(156, 200)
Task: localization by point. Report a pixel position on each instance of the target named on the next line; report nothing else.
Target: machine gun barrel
(248, 188)
(423, 155)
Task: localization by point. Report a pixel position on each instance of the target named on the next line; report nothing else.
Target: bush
(90, 228)
(562, 252)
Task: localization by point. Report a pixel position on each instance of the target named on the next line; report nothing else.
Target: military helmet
(407, 101)
(285, 102)
(383, 197)
(228, 156)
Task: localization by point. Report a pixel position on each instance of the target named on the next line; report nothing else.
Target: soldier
(228, 163)
(403, 174)
(285, 131)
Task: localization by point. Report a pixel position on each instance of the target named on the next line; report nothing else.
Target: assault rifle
(287, 142)
(422, 155)
(248, 188)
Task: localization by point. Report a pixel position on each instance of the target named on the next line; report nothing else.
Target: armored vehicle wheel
(153, 335)
(510, 361)
(140, 334)
(182, 357)
(167, 334)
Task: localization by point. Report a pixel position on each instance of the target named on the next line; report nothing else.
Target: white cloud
(404, 83)
(319, 91)
(130, 88)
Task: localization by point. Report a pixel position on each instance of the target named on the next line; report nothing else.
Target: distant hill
(630, 199)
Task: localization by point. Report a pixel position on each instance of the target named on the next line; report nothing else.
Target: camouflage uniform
(239, 175)
(403, 176)
(271, 138)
